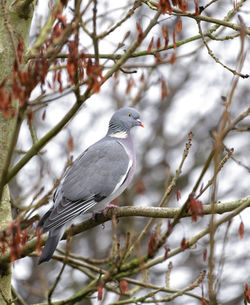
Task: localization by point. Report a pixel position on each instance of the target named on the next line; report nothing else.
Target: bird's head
(124, 119)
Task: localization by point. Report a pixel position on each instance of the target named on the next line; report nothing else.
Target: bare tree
(176, 236)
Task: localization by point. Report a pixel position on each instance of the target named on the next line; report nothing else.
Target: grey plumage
(96, 177)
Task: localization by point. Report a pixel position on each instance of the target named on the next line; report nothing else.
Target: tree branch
(24, 8)
(48, 136)
(235, 27)
(127, 211)
(133, 267)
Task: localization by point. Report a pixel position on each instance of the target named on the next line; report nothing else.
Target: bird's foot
(94, 215)
(110, 206)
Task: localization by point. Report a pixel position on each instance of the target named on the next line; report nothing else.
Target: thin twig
(209, 3)
(221, 263)
(230, 127)
(217, 170)
(172, 184)
(170, 267)
(94, 34)
(143, 299)
(210, 52)
(19, 300)
(137, 4)
(237, 161)
(165, 196)
(152, 286)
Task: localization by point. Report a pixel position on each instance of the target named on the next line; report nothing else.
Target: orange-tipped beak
(140, 122)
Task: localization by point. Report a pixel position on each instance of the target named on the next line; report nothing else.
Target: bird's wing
(60, 215)
(93, 176)
(97, 171)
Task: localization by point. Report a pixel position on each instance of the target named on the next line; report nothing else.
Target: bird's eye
(129, 114)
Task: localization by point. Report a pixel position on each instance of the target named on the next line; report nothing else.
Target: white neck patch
(120, 134)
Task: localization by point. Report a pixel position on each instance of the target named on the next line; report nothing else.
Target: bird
(99, 175)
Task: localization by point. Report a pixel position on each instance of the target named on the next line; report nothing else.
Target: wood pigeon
(99, 175)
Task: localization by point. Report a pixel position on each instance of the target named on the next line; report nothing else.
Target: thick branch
(126, 211)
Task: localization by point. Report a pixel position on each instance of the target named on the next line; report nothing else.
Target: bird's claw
(110, 206)
(94, 214)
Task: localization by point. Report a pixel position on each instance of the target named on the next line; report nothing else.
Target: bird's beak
(140, 123)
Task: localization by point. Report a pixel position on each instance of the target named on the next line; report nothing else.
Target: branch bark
(12, 26)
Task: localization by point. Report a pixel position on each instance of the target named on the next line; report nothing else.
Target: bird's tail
(50, 245)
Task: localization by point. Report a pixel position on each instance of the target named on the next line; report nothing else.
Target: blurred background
(179, 92)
